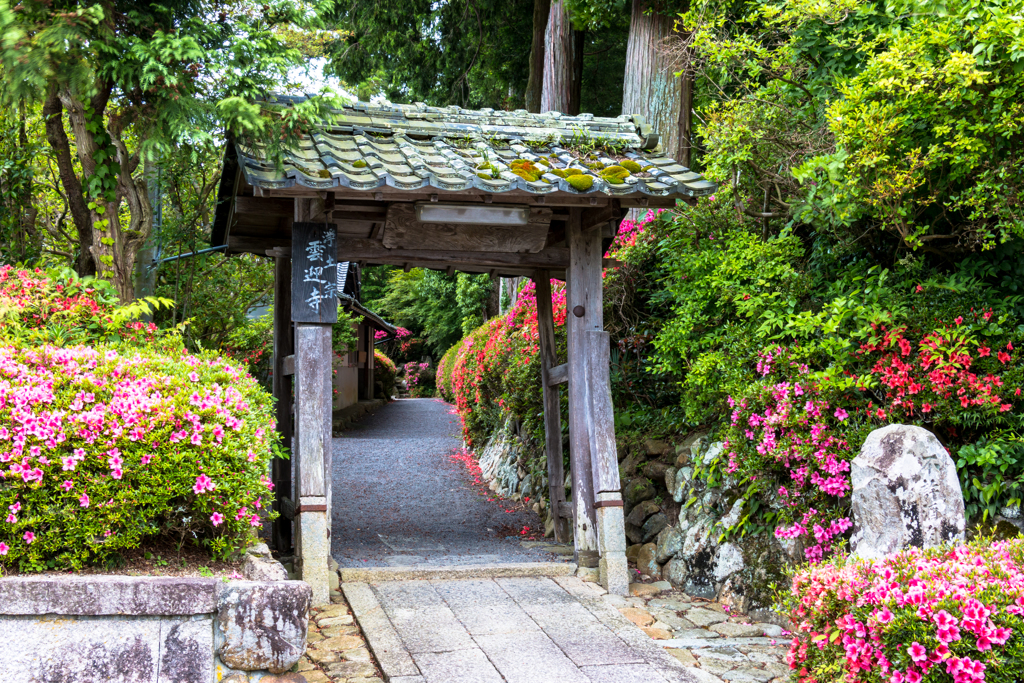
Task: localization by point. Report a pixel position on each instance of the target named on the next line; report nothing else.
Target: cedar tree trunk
(560, 70)
(651, 88)
(534, 85)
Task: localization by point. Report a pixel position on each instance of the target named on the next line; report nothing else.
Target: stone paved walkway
(505, 630)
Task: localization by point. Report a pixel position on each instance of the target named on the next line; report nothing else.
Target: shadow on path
(399, 498)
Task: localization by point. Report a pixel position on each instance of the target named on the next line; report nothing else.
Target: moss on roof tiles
(411, 146)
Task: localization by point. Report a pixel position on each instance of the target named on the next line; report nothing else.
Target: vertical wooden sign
(315, 273)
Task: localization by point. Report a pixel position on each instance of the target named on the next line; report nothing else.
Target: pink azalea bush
(938, 615)
(104, 448)
(788, 438)
(420, 379)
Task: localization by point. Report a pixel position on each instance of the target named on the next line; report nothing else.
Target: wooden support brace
(601, 417)
(552, 406)
(558, 375)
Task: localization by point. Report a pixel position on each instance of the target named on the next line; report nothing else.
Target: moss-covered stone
(581, 183)
(630, 166)
(359, 163)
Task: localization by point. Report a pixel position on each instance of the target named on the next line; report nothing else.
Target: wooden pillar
(552, 406)
(590, 401)
(583, 304)
(314, 311)
(284, 345)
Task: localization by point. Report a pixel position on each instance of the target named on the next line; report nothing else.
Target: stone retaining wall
(145, 629)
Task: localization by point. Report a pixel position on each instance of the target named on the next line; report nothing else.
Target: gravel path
(400, 499)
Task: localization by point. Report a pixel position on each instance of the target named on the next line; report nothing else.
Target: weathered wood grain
(558, 375)
(584, 289)
(370, 250)
(403, 231)
(601, 417)
(552, 405)
(313, 406)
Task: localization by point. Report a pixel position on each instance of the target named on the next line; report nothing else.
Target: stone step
(468, 571)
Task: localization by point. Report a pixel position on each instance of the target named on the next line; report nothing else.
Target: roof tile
(369, 145)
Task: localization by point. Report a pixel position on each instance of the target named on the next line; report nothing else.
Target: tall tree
(470, 53)
(133, 79)
(650, 86)
(535, 84)
(563, 62)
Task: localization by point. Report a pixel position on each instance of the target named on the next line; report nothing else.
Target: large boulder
(905, 493)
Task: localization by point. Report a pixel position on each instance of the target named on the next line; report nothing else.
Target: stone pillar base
(615, 573)
(611, 535)
(314, 550)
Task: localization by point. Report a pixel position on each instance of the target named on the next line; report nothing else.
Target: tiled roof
(416, 147)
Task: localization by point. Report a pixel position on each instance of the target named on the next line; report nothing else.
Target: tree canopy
(900, 118)
(136, 80)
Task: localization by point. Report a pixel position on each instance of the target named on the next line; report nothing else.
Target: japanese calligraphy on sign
(314, 273)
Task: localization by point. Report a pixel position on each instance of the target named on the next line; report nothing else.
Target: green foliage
(434, 306)
(20, 240)
(470, 55)
(992, 474)
(57, 308)
(344, 337)
(145, 82)
(384, 372)
(415, 50)
(928, 128)
(252, 343)
(867, 119)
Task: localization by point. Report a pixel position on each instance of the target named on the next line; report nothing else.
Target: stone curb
(690, 643)
(480, 571)
(395, 661)
(101, 595)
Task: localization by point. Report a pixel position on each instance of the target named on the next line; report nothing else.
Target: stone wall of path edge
(97, 628)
